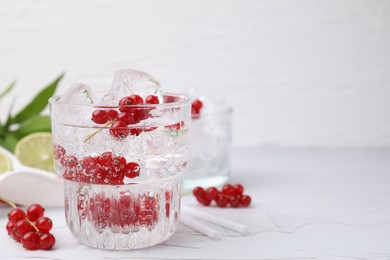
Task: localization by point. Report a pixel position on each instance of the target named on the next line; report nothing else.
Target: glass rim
(135, 183)
(227, 110)
(184, 99)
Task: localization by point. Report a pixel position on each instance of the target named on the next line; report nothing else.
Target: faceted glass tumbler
(105, 207)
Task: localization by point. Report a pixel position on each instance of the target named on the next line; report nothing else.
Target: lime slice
(36, 150)
(5, 163)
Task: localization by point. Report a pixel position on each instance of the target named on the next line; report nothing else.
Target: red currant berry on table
(100, 116)
(229, 190)
(239, 189)
(47, 241)
(235, 201)
(199, 193)
(16, 214)
(245, 200)
(222, 201)
(31, 241)
(34, 212)
(9, 227)
(212, 193)
(22, 227)
(15, 236)
(44, 224)
(151, 99)
(206, 201)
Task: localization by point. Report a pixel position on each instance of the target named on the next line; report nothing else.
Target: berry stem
(9, 203)
(33, 225)
(98, 131)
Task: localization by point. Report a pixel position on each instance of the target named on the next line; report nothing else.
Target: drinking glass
(122, 184)
(210, 141)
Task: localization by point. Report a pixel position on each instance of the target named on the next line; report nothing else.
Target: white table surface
(307, 204)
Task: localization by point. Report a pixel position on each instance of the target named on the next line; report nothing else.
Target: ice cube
(78, 94)
(127, 82)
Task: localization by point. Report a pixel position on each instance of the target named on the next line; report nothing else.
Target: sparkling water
(106, 207)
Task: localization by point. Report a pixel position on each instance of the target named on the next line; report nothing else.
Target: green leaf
(39, 102)
(37, 123)
(7, 90)
(9, 142)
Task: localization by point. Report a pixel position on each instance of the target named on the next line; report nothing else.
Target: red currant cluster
(31, 228)
(106, 168)
(128, 211)
(126, 116)
(195, 108)
(232, 195)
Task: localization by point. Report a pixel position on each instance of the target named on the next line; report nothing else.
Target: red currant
(222, 201)
(22, 227)
(239, 189)
(245, 200)
(151, 99)
(10, 227)
(206, 201)
(126, 101)
(105, 159)
(212, 193)
(140, 114)
(112, 114)
(126, 118)
(199, 193)
(235, 201)
(47, 241)
(132, 170)
(15, 236)
(34, 212)
(16, 214)
(137, 98)
(31, 241)
(119, 130)
(100, 116)
(69, 161)
(44, 224)
(228, 190)
(119, 163)
(135, 131)
(99, 175)
(196, 107)
(59, 152)
(88, 163)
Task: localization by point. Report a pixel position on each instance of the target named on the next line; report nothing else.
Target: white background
(298, 73)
